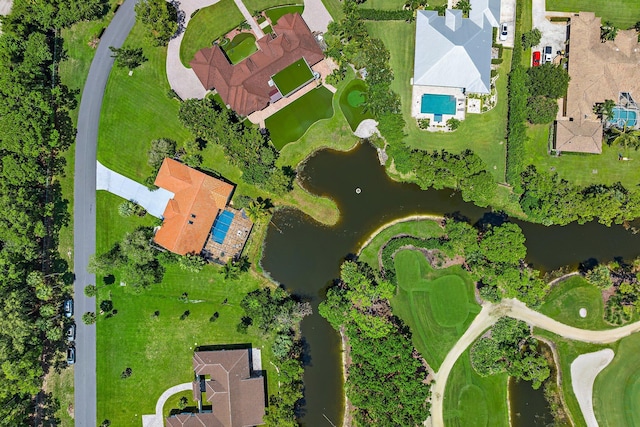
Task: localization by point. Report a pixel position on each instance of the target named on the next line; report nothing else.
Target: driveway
(157, 420)
(84, 213)
(153, 201)
(554, 34)
(508, 16)
(5, 6)
(316, 15)
(182, 79)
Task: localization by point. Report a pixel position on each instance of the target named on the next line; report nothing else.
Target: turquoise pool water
(438, 104)
(622, 116)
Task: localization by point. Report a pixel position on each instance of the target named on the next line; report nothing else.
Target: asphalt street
(84, 215)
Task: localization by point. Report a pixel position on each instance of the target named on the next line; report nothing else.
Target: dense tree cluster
(549, 199)
(385, 379)
(134, 258)
(531, 38)
(276, 316)
(160, 19)
(465, 172)
(35, 130)
(348, 42)
(244, 146)
(510, 349)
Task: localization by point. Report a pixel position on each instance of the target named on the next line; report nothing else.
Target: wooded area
(35, 130)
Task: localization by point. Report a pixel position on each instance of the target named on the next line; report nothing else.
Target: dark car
(71, 332)
(548, 54)
(536, 58)
(68, 307)
(71, 356)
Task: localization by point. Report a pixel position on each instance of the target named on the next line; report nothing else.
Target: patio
(234, 240)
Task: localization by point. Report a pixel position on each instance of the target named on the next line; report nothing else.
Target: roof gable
(452, 51)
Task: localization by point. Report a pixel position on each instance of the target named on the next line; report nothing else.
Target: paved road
(84, 215)
(489, 315)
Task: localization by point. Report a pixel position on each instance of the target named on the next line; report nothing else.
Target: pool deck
(416, 104)
(233, 242)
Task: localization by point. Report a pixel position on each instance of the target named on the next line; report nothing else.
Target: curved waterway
(305, 256)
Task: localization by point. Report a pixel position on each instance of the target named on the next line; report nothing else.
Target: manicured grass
(423, 229)
(159, 350)
(293, 77)
(292, 122)
(567, 298)
(207, 25)
(171, 405)
(623, 13)
(242, 45)
(335, 9)
(567, 352)
(394, 4)
(438, 305)
(255, 6)
(333, 133)
(484, 133)
(351, 102)
(275, 13)
(474, 401)
(579, 168)
(135, 111)
(617, 387)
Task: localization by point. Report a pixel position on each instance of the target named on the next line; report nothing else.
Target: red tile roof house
(245, 86)
(189, 216)
(236, 393)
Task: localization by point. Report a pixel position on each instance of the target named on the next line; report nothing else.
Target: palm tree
(464, 6)
(608, 31)
(604, 110)
(231, 270)
(625, 137)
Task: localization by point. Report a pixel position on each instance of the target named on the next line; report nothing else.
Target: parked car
(71, 332)
(68, 307)
(536, 58)
(548, 54)
(71, 355)
(503, 32)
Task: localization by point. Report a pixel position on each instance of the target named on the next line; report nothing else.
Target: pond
(305, 256)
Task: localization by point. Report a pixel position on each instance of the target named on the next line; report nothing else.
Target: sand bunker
(583, 312)
(584, 370)
(366, 128)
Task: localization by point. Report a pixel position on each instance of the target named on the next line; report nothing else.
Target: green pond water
(305, 256)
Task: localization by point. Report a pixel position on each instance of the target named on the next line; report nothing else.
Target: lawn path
(252, 22)
(489, 315)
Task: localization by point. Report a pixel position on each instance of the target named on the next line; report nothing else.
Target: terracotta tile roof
(244, 86)
(598, 71)
(200, 419)
(237, 398)
(197, 200)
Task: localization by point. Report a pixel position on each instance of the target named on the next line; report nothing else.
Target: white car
(503, 32)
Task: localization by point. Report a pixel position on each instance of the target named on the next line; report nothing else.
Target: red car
(536, 58)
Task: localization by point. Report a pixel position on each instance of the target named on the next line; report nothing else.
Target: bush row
(385, 15)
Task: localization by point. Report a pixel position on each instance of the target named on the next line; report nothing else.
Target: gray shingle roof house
(452, 51)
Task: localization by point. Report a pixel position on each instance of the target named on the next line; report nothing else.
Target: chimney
(453, 18)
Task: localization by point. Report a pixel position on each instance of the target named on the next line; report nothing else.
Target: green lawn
(351, 102)
(159, 349)
(255, 6)
(423, 229)
(290, 123)
(241, 47)
(275, 13)
(567, 352)
(207, 25)
(617, 387)
(293, 77)
(394, 4)
(623, 13)
(438, 305)
(135, 111)
(335, 9)
(483, 133)
(474, 401)
(567, 298)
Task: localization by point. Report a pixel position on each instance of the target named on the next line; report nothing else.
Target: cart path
(489, 315)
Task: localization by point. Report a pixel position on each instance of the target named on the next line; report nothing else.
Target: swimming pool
(622, 117)
(438, 104)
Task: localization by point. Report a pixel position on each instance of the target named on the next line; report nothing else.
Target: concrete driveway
(5, 6)
(153, 201)
(554, 34)
(508, 16)
(316, 15)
